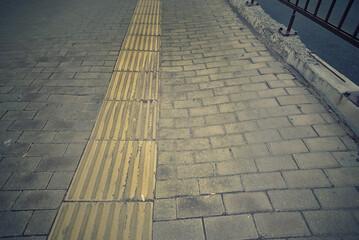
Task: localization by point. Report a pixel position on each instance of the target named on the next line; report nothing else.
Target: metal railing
(311, 9)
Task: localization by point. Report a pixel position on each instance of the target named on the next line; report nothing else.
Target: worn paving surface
(245, 151)
(56, 61)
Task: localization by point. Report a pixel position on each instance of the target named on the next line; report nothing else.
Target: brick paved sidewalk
(56, 60)
(245, 150)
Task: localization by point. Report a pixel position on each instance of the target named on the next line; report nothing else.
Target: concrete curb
(327, 85)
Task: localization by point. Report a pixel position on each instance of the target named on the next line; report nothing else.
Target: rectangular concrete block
(199, 206)
(306, 179)
(226, 227)
(344, 176)
(336, 198)
(263, 181)
(337, 222)
(297, 132)
(39, 200)
(262, 136)
(174, 188)
(246, 202)
(278, 163)
(287, 147)
(315, 160)
(325, 144)
(220, 184)
(293, 200)
(285, 224)
(164, 209)
(306, 119)
(227, 141)
(188, 229)
(196, 170)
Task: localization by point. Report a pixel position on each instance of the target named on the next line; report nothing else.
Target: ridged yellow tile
(126, 120)
(108, 221)
(141, 43)
(133, 86)
(144, 29)
(136, 61)
(146, 18)
(148, 7)
(115, 171)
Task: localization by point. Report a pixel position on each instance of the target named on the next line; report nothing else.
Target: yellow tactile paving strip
(135, 61)
(133, 86)
(126, 120)
(112, 193)
(94, 220)
(114, 171)
(144, 43)
(145, 29)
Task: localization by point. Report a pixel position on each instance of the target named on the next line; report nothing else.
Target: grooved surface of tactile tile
(133, 86)
(115, 170)
(126, 120)
(144, 29)
(136, 61)
(94, 220)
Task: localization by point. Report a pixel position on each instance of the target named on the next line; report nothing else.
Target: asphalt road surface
(338, 53)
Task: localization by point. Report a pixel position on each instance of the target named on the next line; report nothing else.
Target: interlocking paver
(180, 229)
(40, 222)
(39, 200)
(344, 176)
(334, 198)
(13, 223)
(164, 209)
(315, 160)
(220, 184)
(270, 164)
(199, 206)
(289, 200)
(28, 180)
(336, 222)
(227, 227)
(263, 181)
(246, 202)
(306, 179)
(173, 188)
(285, 224)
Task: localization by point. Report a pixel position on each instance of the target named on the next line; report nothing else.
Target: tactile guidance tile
(144, 29)
(108, 221)
(126, 120)
(148, 7)
(146, 18)
(141, 43)
(133, 86)
(115, 171)
(135, 61)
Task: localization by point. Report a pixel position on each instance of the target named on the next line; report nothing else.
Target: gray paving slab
(231, 227)
(335, 222)
(246, 202)
(13, 223)
(179, 229)
(284, 224)
(199, 206)
(40, 222)
(39, 199)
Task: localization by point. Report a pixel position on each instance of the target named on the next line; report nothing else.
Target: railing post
(289, 31)
(252, 3)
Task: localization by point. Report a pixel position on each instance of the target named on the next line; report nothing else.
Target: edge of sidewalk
(330, 88)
